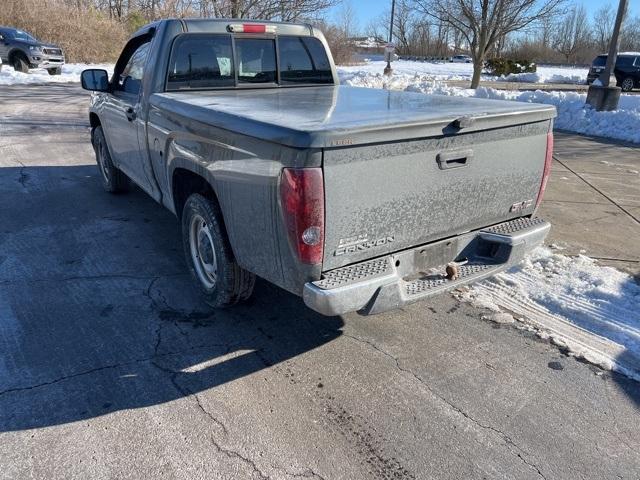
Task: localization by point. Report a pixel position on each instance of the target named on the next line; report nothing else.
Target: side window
(130, 79)
(637, 62)
(256, 59)
(201, 61)
(624, 62)
(303, 60)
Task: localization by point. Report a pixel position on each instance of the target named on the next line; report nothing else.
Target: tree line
(538, 30)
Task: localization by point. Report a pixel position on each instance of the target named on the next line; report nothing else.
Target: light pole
(388, 69)
(604, 96)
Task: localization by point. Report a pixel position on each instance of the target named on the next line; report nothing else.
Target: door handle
(130, 113)
(457, 159)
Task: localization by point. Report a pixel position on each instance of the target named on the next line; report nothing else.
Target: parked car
(461, 59)
(23, 51)
(627, 70)
(357, 199)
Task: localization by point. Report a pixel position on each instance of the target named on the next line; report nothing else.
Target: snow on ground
(70, 74)
(573, 115)
(601, 302)
(464, 71)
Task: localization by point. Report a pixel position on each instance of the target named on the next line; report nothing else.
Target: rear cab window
(201, 61)
(217, 60)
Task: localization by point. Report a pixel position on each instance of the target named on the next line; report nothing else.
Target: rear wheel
(54, 71)
(113, 180)
(209, 257)
(20, 64)
(627, 84)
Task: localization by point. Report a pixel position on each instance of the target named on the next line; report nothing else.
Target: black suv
(627, 71)
(23, 51)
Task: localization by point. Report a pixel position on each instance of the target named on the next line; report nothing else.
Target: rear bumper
(390, 282)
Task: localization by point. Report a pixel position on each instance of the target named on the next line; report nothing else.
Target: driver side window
(130, 79)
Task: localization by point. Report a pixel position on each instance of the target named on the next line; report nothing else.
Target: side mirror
(94, 79)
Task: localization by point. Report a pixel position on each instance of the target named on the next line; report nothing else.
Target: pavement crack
(61, 379)
(105, 276)
(235, 455)
(24, 177)
(513, 447)
(116, 365)
(308, 473)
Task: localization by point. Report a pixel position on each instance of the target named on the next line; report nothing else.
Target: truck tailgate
(386, 197)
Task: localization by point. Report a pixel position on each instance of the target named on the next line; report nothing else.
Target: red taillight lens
(548, 160)
(302, 194)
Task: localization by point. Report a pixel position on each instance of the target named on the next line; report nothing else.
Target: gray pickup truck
(355, 199)
(23, 51)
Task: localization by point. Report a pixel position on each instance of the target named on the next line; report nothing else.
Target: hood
(28, 43)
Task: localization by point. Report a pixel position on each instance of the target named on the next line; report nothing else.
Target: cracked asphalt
(111, 367)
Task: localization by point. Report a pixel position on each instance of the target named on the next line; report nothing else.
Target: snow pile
(573, 114)
(464, 71)
(601, 301)
(70, 74)
(547, 76)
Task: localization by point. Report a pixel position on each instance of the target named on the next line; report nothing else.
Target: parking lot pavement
(593, 200)
(111, 367)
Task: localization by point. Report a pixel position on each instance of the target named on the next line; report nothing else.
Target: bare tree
(483, 22)
(603, 26)
(572, 32)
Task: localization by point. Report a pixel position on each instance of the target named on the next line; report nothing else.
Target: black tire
(55, 71)
(20, 64)
(627, 84)
(231, 283)
(113, 180)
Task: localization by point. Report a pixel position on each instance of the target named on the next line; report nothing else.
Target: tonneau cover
(331, 116)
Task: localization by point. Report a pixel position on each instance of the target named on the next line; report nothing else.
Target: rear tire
(220, 279)
(54, 71)
(20, 64)
(113, 180)
(627, 84)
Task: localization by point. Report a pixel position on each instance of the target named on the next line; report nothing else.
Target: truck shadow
(98, 313)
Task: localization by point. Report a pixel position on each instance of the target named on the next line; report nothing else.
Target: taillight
(302, 195)
(548, 160)
(251, 28)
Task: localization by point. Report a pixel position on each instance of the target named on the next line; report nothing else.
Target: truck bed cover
(333, 116)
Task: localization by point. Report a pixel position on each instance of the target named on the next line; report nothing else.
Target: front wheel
(627, 84)
(20, 65)
(54, 71)
(221, 280)
(113, 180)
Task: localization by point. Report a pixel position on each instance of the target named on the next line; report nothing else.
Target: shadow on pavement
(98, 314)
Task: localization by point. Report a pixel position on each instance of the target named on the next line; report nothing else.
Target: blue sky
(367, 9)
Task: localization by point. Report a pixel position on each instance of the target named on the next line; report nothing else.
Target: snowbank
(70, 74)
(601, 301)
(464, 71)
(573, 115)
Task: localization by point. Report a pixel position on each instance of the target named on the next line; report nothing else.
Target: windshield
(21, 35)
(600, 61)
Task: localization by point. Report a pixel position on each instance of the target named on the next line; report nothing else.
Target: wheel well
(17, 53)
(185, 183)
(94, 121)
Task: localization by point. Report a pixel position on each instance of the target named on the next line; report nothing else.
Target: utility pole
(603, 96)
(388, 51)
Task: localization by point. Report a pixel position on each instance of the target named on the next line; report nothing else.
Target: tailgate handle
(458, 159)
